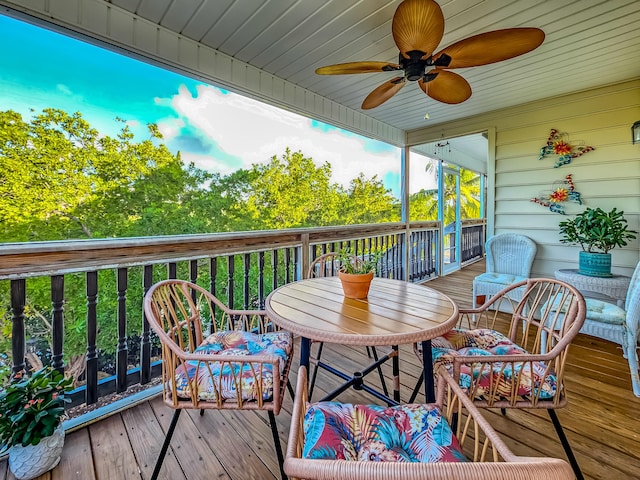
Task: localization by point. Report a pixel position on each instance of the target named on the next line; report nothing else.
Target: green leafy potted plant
(597, 232)
(31, 412)
(356, 273)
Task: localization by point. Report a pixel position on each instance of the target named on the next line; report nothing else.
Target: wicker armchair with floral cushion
(243, 362)
(515, 360)
(509, 260)
(335, 441)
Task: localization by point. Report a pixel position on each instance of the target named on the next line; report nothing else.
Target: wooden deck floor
(601, 422)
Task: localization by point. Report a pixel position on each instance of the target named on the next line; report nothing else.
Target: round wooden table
(394, 313)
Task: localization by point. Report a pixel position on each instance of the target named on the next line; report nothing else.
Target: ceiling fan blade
(417, 25)
(447, 87)
(357, 67)
(491, 47)
(383, 93)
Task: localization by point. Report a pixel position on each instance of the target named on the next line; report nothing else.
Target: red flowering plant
(31, 408)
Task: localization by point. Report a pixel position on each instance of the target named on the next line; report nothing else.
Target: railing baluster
(261, 297)
(274, 267)
(193, 271)
(231, 268)
(245, 284)
(213, 277)
(145, 339)
(287, 265)
(18, 337)
(296, 264)
(91, 373)
(122, 350)
(57, 322)
(172, 270)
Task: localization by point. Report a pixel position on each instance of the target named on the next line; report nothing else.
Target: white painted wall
(607, 177)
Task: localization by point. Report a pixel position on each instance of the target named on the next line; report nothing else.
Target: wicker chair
(437, 454)
(509, 260)
(326, 265)
(620, 325)
(524, 367)
(242, 365)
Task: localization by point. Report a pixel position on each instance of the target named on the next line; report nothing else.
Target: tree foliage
(61, 179)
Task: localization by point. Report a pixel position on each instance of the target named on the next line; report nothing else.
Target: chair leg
(291, 392)
(632, 358)
(416, 390)
(565, 444)
(374, 352)
(312, 383)
(165, 445)
(276, 443)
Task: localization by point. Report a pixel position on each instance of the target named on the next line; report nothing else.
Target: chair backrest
(178, 311)
(632, 303)
(510, 253)
(327, 265)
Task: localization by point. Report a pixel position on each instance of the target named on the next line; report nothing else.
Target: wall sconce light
(635, 132)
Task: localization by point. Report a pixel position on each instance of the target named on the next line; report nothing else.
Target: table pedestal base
(356, 381)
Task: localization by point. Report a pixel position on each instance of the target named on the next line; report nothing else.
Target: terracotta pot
(355, 285)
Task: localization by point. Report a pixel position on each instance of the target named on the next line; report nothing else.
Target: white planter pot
(34, 460)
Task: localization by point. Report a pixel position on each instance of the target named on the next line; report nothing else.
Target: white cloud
(254, 132)
(63, 89)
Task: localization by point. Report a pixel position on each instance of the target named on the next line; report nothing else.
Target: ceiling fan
(417, 28)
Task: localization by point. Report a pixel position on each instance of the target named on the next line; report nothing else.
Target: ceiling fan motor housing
(414, 66)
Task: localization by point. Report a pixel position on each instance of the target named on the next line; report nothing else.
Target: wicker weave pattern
(177, 312)
(628, 333)
(544, 333)
(490, 458)
(632, 330)
(510, 254)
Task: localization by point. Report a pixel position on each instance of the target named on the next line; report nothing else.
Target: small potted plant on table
(597, 232)
(31, 411)
(356, 273)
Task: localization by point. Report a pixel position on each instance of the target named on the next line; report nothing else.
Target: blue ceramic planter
(595, 264)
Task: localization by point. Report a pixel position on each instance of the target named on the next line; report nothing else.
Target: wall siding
(607, 177)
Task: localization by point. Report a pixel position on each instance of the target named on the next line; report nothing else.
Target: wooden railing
(98, 286)
(472, 240)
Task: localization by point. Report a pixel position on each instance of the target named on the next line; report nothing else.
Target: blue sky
(216, 129)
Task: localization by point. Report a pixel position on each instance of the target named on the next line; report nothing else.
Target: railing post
(57, 322)
(122, 351)
(305, 252)
(145, 338)
(406, 258)
(91, 373)
(18, 338)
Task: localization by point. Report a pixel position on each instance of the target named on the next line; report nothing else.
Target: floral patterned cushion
(207, 375)
(406, 433)
(489, 342)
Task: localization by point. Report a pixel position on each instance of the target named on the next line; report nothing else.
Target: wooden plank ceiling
(588, 43)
